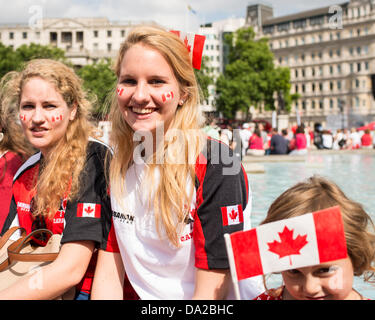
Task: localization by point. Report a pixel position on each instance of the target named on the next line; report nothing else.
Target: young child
(333, 280)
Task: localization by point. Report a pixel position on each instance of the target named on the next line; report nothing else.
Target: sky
(169, 13)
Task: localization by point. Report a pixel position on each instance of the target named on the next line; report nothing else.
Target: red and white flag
(56, 118)
(195, 44)
(306, 240)
(88, 210)
(167, 96)
(120, 91)
(232, 215)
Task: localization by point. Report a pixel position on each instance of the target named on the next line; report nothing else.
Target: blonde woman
(62, 187)
(171, 195)
(320, 282)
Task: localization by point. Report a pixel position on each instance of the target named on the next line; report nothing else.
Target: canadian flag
(232, 215)
(195, 44)
(22, 117)
(120, 91)
(88, 210)
(56, 118)
(306, 240)
(167, 96)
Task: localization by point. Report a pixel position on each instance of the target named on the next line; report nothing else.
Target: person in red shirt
(366, 140)
(14, 150)
(62, 187)
(256, 144)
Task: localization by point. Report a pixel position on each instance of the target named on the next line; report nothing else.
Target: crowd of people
(296, 140)
(145, 218)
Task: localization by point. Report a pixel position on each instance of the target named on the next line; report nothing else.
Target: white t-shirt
(157, 269)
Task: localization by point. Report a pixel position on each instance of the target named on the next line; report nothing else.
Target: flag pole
(232, 265)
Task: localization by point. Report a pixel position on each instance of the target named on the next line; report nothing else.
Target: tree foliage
(13, 60)
(99, 80)
(250, 78)
(203, 78)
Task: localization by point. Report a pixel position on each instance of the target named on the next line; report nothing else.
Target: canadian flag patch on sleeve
(232, 215)
(88, 210)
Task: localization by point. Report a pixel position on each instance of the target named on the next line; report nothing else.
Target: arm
(109, 277)
(211, 284)
(54, 279)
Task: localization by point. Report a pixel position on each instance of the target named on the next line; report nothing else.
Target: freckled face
(44, 114)
(148, 92)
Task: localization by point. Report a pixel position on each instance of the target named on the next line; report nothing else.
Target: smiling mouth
(142, 110)
(38, 129)
(317, 298)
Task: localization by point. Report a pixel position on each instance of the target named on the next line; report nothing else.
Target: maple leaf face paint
(120, 91)
(22, 117)
(44, 114)
(167, 96)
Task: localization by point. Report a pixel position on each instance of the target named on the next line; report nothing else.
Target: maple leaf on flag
(233, 214)
(89, 210)
(287, 245)
(186, 42)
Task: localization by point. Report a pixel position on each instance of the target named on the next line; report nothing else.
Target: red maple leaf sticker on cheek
(287, 245)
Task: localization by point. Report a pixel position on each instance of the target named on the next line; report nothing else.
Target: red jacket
(9, 165)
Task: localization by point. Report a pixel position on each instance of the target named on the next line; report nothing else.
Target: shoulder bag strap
(4, 239)
(15, 249)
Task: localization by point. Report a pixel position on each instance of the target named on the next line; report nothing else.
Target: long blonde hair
(171, 196)
(60, 171)
(318, 193)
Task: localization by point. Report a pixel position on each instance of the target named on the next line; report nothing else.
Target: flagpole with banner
(232, 266)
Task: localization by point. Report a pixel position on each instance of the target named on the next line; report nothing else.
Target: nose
(311, 286)
(141, 94)
(38, 115)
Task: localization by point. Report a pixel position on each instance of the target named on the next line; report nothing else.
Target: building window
(339, 85)
(96, 33)
(79, 36)
(358, 67)
(283, 26)
(316, 21)
(109, 47)
(298, 24)
(11, 35)
(122, 33)
(330, 103)
(109, 33)
(24, 35)
(321, 104)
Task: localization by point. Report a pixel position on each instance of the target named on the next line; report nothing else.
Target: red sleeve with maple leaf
(216, 189)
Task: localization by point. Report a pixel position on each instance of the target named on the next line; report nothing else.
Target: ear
(183, 98)
(73, 112)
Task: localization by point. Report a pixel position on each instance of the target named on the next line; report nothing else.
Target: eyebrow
(44, 102)
(129, 75)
